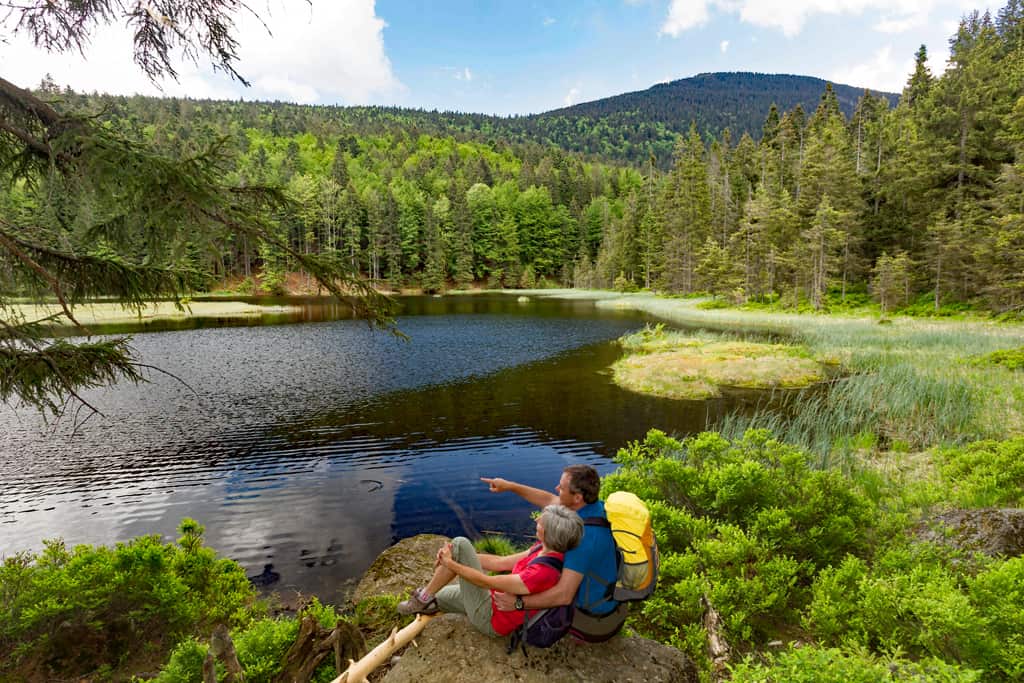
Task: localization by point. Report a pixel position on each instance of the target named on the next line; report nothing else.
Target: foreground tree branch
(100, 215)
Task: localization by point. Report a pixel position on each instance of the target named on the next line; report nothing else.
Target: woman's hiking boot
(417, 605)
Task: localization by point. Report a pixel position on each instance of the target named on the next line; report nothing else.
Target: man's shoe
(416, 605)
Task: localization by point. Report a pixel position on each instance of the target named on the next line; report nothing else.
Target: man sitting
(590, 569)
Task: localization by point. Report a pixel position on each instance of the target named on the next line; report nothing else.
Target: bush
(829, 665)
(261, 648)
(913, 601)
(985, 473)
(72, 611)
(1011, 359)
(744, 523)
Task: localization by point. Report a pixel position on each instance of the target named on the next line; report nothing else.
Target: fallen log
(358, 671)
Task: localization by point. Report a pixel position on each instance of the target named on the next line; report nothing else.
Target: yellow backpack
(630, 524)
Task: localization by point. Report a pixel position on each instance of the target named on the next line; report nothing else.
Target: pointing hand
(497, 485)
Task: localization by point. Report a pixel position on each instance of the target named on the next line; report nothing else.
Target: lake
(314, 446)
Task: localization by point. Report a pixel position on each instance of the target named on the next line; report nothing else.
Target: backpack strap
(547, 561)
(609, 587)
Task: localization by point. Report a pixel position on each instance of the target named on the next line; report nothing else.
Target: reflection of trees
(565, 398)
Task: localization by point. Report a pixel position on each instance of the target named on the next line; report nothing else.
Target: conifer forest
(921, 203)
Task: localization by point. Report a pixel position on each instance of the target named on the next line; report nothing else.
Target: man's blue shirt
(594, 556)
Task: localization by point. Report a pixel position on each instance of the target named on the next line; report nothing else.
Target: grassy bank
(105, 313)
(696, 366)
(909, 384)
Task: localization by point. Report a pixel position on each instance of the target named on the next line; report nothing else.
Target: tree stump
(222, 648)
(312, 645)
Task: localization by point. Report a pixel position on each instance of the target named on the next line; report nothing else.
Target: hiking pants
(462, 596)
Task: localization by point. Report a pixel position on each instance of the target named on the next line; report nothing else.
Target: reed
(911, 383)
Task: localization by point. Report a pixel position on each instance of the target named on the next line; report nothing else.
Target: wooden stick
(718, 648)
(358, 671)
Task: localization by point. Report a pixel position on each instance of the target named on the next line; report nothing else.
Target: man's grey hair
(563, 528)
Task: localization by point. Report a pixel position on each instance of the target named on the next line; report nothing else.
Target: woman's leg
(464, 597)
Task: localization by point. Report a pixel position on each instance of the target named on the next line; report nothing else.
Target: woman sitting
(558, 529)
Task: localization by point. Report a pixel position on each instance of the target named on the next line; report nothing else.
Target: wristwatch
(519, 602)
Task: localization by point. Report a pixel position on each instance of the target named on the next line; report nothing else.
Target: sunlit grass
(695, 366)
(912, 382)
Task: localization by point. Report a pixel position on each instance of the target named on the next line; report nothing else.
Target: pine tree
(686, 207)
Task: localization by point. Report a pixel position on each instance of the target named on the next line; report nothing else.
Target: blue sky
(523, 57)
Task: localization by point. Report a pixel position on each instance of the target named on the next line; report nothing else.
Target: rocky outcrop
(992, 531)
(451, 649)
(405, 565)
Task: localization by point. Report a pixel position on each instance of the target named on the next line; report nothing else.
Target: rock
(407, 564)
(451, 649)
(992, 531)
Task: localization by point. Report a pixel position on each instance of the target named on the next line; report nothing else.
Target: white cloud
(881, 72)
(464, 75)
(548, 21)
(789, 16)
(901, 24)
(724, 46)
(331, 51)
(572, 96)
(684, 15)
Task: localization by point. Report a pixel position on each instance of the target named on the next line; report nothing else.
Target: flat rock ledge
(451, 649)
(992, 531)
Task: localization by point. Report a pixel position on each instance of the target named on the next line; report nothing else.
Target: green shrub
(1011, 359)
(914, 600)
(744, 523)
(261, 648)
(72, 611)
(376, 616)
(496, 545)
(985, 473)
(830, 665)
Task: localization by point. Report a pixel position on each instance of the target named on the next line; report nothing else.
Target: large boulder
(451, 649)
(992, 531)
(405, 565)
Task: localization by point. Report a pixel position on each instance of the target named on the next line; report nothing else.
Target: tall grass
(909, 384)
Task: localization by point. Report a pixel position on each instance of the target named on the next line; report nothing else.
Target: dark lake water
(314, 446)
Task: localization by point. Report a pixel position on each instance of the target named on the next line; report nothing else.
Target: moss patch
(674, 365)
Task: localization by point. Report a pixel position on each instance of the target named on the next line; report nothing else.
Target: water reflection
(313, 447)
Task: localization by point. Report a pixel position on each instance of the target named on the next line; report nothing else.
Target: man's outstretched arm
(538, 497)
(562, 593)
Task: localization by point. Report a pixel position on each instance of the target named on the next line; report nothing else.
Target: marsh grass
(913, 383)
(695, 365)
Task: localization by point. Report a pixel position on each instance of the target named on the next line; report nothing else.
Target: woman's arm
(509, 583)
(500, 563)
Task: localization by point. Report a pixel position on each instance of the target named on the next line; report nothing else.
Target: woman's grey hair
(563, 528)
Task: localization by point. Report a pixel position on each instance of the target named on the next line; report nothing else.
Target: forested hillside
(922, 201)
(628, 125)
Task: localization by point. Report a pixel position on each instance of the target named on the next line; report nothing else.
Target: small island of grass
(682, 366)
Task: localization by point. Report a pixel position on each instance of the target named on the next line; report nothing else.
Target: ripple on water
(315, 446)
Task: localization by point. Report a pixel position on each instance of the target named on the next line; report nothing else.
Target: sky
(518, 57)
